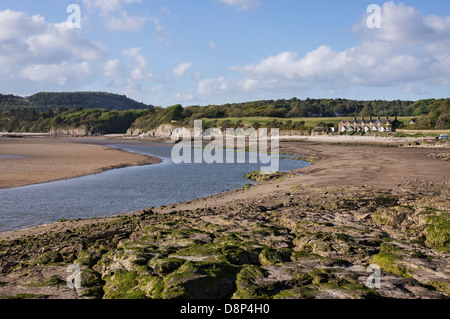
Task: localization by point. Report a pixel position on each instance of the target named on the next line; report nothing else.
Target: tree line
(45, 101)
(430, 114)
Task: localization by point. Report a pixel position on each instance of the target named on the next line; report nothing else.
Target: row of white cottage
(370, 125)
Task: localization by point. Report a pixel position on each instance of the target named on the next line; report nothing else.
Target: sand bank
(26, 161)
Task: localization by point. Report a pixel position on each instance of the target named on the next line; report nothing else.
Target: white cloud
(181, 69)
(157, 89)
(218, 86)
(49, 54)
(243, 4)
(139, 75)
(30, 39)
(135, 57)
(114, 17)
(108, 6)
(401, 24)
(130, 76)
(14, 24)
(60, 74)
(408, 48)
(184, 97)
(113, 68)
(162, 35)
(124, 22)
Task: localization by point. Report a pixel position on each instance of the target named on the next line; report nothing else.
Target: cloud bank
(33, 50)
(408, 47)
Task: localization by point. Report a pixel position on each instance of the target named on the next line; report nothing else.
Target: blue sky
(219, 51)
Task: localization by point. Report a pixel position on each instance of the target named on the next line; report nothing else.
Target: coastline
(36, 160)
(352, 207)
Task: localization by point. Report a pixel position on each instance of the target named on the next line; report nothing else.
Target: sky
(201, 52)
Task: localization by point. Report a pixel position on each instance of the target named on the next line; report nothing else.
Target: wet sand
(360, 167)
(25, 161)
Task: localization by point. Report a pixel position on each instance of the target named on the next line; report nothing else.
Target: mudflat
(311, 233)
(25, 161)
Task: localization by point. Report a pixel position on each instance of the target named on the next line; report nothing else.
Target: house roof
(364, 121)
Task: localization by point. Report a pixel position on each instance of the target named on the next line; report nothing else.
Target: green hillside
(71, 100)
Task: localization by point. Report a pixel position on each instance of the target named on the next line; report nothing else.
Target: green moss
(320, 276)
(152, 286)
(247, 284)
(236, 255)
(201, 280)
(164, 266)
(387, 247)
(260, 176)
(390, 262)
(301, 255)
(50, 257)
(269, 256)
(208, 252)
(91, 283)
(443, 286)
(438, 231)
(89, 257)
(268, 230)
(392, 217)
(344, 237)
(123, 285)
(54, 281)
(308, 292)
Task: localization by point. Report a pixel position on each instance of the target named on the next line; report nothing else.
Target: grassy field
(309, 121)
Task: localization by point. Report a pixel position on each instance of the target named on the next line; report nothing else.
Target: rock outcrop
(75, 132)
(283, 247)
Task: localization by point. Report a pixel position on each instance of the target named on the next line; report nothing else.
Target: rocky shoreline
(311, 233)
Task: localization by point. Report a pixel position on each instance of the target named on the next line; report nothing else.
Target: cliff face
(165, 131)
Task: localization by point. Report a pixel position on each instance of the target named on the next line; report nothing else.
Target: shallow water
(123, 190)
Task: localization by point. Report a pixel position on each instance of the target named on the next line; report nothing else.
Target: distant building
(370, 125)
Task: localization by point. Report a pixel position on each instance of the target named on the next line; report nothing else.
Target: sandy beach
(25, 161)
